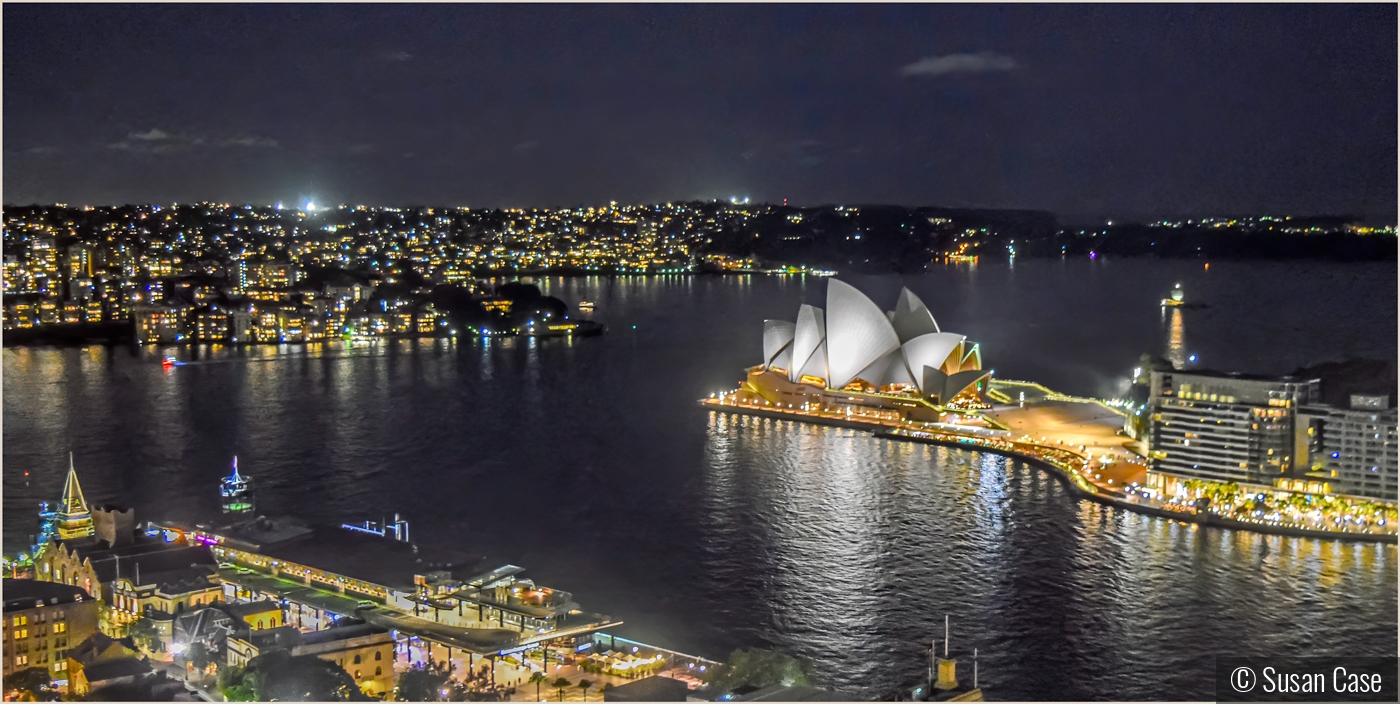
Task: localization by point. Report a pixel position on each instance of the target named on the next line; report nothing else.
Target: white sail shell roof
(807, 347)
(875, 373)
(777, 336)
(930, 351)
(911, 318)
(783, 360)
(816, 364)
(858, 333)
(898, 371)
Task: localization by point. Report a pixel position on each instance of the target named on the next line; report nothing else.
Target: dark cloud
(260, 142)
(984, 62)
(152, 135)
(157, 141)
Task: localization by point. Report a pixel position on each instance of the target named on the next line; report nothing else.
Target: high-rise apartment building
(1226, 427)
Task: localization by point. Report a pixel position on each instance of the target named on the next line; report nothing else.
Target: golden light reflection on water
(1176, 340)
(815, 508)
(1330, 571)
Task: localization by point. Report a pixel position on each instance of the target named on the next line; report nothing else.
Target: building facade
(1354, 449)
(1227, 428)
(366, 652)
(43, 621)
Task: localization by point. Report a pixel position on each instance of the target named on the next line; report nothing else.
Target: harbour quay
(241, 585)
(1219, 449)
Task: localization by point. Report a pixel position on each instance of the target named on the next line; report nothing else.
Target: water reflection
(1176, 340)
(589, 462)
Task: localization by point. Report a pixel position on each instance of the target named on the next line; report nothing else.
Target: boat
(1178, 300)
(585, 305)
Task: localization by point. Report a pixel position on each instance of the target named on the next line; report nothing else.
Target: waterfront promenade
(1076, 439)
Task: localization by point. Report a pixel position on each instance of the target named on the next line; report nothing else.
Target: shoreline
(1207, 519)
(589, 331)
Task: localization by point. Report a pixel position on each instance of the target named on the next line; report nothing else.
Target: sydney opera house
(854, 354)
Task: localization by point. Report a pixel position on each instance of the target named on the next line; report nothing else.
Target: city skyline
(804, 352)
(1140, 111)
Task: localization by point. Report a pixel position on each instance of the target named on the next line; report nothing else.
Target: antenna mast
(945, 636)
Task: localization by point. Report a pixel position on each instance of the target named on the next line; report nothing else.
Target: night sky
(1119, 110)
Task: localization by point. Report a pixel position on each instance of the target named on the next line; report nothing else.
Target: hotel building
(1226, 427)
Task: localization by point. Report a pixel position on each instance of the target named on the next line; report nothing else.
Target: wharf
(1049, 456)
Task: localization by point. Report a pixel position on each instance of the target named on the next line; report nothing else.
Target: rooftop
(241, 611)
(113, 669)
(1372, 377)
(22, 594)
(1240, 376)
(280, 637)
(782, 693)
(342, 632)
(152, 554)
(263, 532)
(368, 558)
(649, 689)
(177, 581)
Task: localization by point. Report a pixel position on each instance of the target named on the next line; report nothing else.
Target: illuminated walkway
(1075, 438)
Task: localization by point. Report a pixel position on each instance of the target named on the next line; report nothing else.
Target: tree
(200, 656)
(561, 683)
(421, 683)
(145, 634)
(537, 679)
(31, 685)
(277, 676)
(584, 685)
(231, 685)
(757, 668)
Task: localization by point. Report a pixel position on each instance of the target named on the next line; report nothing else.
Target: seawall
(1206, 519)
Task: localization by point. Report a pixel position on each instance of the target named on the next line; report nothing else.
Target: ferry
(1178, 300)
(1177, 297)
(585, 305)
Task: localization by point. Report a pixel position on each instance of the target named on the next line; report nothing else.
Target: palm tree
(584, 685)
(561, 683)
(537, 678)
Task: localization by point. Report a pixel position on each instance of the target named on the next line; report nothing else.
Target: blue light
(1335, 455)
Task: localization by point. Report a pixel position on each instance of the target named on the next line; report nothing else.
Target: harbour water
(588, 462)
